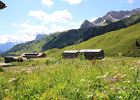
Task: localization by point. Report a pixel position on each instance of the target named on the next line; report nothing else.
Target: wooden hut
(2, 5)
(33, 55)
(9, 59)
(70, 54)
(92, 53)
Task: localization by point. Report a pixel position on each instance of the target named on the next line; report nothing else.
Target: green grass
(113, 43)
(59, 79)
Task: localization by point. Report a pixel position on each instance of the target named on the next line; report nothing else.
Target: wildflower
(129, 81)
(15, 71)
(120, 97)
(90, 95)
(113, 80)
(123, 76)
(6, 90)
(126, 81)
(12, 79)
(32, 67)
(138, 81)
(103, 59)
(131, 68)
(82, 80)
(29, 71)
(138, 62)
(105, 75)
(77, 90)
(99, 77)
(23, 69)
(117, 76)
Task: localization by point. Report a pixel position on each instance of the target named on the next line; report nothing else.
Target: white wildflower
(12, 79)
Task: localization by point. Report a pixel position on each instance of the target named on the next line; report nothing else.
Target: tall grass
(58, 79)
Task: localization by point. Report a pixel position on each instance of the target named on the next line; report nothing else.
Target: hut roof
(30, 53)
(2, 5)
(39, 54)
(90, 50)
(70, 51)
(14, 57)
(33, 55)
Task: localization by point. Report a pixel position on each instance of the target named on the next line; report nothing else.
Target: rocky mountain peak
(114, 16)
(40, 36)
(86, 24)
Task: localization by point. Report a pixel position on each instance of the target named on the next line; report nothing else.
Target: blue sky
(23, 19)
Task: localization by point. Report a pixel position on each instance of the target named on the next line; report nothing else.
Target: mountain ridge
(6, 46)
(109, 17)
(40, 36)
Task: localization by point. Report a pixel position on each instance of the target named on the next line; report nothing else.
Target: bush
(1, 70)
(50, 61)
(81, 56)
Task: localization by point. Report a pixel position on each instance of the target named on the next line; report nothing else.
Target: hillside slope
(77, 36)
(70, 37)
(125, 42)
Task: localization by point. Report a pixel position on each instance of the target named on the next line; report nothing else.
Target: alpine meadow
(70, 50)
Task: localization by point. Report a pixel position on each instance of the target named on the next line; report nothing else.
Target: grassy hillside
(124, 42)
(31, 46)
(53, 79)
(76, 36)
(70, 37)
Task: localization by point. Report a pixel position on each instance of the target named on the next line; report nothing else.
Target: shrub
(1, 70)
(81, 56)
(50, 61)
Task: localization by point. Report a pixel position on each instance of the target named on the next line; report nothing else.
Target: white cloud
(48, 23)
(50, 3)
(28, 31)
(58, 16)
(28, 28)
(15, 38)
(72, 2)
(45, 28)
(47, 2)
(131, 1)
(14, 24)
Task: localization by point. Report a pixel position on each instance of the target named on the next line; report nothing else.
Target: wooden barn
(9, 59)
(33, 55)
(70, 54)
(91, 54)
(2, 5)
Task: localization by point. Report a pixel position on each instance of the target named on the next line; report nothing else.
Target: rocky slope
(110, 17)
